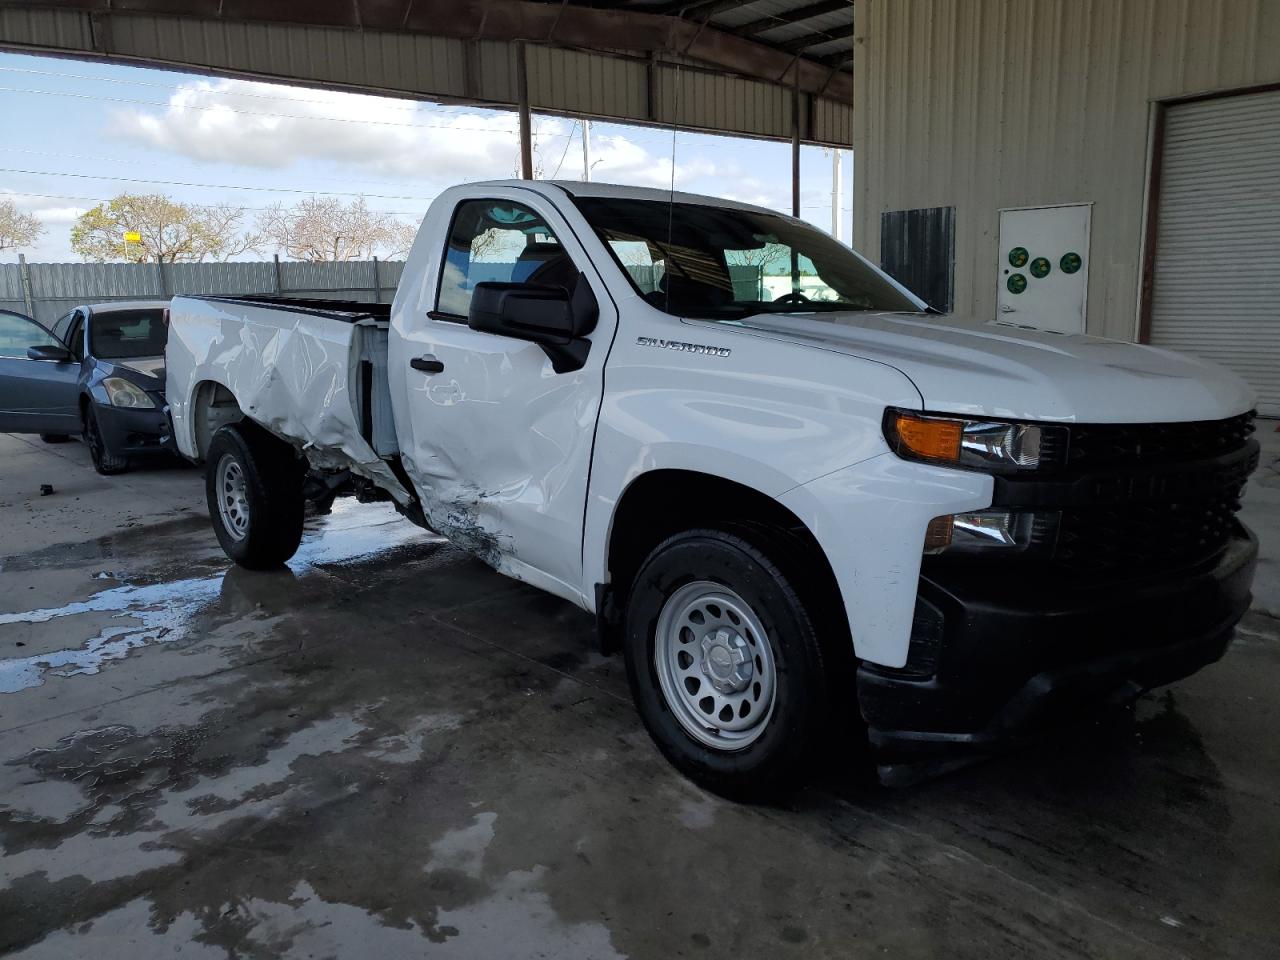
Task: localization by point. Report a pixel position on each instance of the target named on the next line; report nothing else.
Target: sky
(75, 133)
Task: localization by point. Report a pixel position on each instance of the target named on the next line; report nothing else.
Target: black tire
(779, 758)
(270, 500)
(54, 437)
(104, 461)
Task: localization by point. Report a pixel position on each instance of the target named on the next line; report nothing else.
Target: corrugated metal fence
(48, 290)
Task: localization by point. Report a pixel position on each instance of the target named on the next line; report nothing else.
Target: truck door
(499, 443)
(37, 395)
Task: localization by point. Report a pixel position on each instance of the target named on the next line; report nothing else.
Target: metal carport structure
(772, 69)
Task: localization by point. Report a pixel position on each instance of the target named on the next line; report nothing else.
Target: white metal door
(1043, 274)
(1216, 287)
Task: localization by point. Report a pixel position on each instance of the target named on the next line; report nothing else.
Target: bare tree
(400, 236)
(326, 229)
(17, 229)
(168, 231)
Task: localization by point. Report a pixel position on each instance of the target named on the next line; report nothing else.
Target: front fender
(870, 521)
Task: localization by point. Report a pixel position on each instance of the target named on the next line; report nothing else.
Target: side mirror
(50, 351)
(552, 317)
(522, 310)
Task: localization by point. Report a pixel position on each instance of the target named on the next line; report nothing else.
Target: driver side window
(17, 333)
(497, 240)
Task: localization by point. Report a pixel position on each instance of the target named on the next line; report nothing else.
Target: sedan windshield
(720, 263)
(127, 334)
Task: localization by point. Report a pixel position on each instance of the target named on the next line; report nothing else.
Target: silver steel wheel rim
(715, 665)
(233, 502)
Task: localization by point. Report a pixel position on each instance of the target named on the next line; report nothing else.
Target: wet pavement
(388, 750)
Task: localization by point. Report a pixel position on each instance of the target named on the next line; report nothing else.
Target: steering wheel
(795, 296)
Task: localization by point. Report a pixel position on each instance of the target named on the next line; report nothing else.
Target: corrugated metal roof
(609, 59)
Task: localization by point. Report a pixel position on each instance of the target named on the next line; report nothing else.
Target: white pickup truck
(811, 522)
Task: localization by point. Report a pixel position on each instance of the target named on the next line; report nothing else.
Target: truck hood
(974, 367)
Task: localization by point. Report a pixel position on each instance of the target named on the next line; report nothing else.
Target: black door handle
(427, 364)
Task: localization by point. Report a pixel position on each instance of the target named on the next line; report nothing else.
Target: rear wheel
(104, 461)
(253, 484)
(54, 437)
(724, 664)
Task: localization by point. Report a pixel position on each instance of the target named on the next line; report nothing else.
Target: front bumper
(1015, 652)
(131, 432)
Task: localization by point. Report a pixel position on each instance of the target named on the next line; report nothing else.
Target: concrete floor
(390, 751)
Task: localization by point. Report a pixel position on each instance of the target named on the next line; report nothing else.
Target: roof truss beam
(798, 15)
(555, 24)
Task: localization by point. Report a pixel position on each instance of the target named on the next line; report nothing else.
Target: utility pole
(586, 150)
(836, 184)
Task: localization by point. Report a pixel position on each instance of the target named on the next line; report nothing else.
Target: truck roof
(577, 188)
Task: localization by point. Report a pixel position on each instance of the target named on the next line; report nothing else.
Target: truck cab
(813, 516)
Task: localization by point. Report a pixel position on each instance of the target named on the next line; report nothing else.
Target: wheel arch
(212, 405)
(662, 502)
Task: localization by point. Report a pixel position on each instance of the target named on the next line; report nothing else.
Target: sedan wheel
(104, 461)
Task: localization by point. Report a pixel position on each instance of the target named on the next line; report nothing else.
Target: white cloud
(272, 127)
(50, 216)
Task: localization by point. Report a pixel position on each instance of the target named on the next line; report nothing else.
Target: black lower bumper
(132, 433)
(1018, 653)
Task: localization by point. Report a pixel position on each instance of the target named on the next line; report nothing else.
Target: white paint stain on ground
(407, 746)
(122, 934)
(149, 614)
(464, 849)
(163, 612)
(515, 922)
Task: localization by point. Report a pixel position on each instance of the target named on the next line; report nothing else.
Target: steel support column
(522, 106)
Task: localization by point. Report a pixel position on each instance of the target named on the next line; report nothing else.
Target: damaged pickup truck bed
(813, 517)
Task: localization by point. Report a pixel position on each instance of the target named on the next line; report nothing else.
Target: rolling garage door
(1217, 258)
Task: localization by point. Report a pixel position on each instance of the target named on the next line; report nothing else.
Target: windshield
(713, 262)
(127, 334)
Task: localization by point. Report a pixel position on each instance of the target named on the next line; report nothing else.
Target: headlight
(987, 531)
(122, 393)
(978, 444)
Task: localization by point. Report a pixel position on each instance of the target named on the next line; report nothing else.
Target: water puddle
(164, 612)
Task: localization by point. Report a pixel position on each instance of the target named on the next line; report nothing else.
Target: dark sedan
(99, 372)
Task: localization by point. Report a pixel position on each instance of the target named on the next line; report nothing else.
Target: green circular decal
(1016, 283)
(1070, 262)
(1040, 267)
(1018, 257)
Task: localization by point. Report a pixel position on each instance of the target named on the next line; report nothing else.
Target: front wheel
(724, 664)
(104, 461)
(253, 484)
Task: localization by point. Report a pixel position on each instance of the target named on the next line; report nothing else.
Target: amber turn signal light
(931, 439)
(937, 536)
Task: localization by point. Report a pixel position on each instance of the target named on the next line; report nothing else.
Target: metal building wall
(984, 104)
(603, 84)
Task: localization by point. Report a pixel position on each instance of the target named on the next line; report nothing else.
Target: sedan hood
(152, 367)
(983, 369)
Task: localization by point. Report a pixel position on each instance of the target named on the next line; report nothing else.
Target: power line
(63, 196)
(212, 186)
(151, 163)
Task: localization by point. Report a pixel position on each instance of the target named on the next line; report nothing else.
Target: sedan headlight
(992, 446)
(122, 393)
